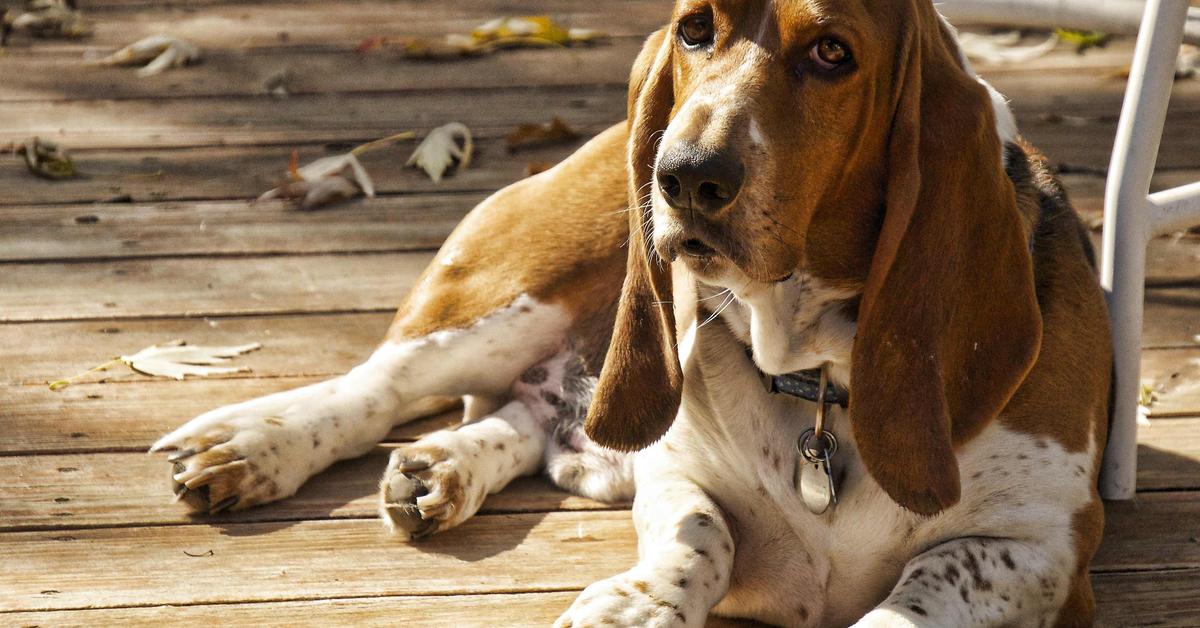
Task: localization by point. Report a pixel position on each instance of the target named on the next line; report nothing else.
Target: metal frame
(1131, 217)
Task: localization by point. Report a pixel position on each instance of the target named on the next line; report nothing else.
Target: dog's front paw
(429, 487)
(228, 466)
(631, 599)
(245, 454)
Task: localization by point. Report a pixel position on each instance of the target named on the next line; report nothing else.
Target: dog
(843, 313)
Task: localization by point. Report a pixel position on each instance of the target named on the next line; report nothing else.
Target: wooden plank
(1089, 144)
(1084, 137)
(74, 490)
(151, 175)
(1155, 598)
(382, 224)
(39, 76)
(1169, 454)
(306, 346)
(187, 287)
(386, 223)
(279, 285)
(505, 609)
(93, 490)
(308, 559)
(1153, 531)
(1162, 598)
(303, 119)
(1171, 318)
(131, 416)
(1174, 376)
(43, 75)
(492, 553)
(246, 172)
(342, 24)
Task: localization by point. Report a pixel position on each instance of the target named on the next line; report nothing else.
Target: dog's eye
(828, 53)
(696, 30)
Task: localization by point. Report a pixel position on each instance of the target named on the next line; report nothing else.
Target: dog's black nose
(694, 177)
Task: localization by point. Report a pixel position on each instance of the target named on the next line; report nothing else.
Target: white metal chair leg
(1131, 217)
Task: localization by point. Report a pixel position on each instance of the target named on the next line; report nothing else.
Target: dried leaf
(528, 135)
(440, 149)
(174, 359)
(158, 52)
(46, 159)
(1082, 40)
(177, 359)
(534, 31)
(314, 195)
(324, 181)
(1003, 47)
(46, 19)
(1187, 63)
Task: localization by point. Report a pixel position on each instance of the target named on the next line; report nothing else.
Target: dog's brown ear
(641, 382)
(949, 323)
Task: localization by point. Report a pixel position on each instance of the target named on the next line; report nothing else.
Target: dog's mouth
(695, 247)
(708, 254)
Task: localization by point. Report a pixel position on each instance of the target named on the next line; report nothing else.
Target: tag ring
(827, 445)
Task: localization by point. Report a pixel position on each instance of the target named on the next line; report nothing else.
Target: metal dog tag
(816, 474)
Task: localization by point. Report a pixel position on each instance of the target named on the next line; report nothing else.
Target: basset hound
(842, 312)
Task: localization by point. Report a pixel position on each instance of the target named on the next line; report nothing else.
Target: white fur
(285, 438)
(1006, 122)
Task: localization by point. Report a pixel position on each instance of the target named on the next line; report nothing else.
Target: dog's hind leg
(522, 272)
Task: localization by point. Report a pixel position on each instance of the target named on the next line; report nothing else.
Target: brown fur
(641, 376)
(943, 340)
(569, 216)
(952, 306)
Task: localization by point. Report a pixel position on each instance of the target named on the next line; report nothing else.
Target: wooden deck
(159, 240)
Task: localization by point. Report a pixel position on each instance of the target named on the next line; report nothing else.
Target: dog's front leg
(685, 557)
(442, 479)
(264, 449)
(977, 581)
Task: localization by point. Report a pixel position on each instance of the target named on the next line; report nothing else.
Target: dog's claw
(223, 505)
(186, 453)
(409, 465)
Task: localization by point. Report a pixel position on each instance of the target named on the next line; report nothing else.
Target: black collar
(803, 384)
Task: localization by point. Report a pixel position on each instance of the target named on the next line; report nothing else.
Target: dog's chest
(792, 567)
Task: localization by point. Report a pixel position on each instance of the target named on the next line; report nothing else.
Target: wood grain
(1162, 598)
(308, 559)
(493, 553)
(131, 416)
(183, 287)
(510, 609)
(1169, 454)
(245, 172)
(396, 223)
(60, 74)
(1084, 137)
(1153, 531)
(238, 72)
(1174, 376)
(94, 490)
(106, 123)
(341, 25)
(305, 346)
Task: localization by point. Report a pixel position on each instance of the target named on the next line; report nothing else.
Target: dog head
(845, 141)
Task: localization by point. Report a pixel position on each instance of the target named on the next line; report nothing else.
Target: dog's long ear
(641, 382)
(949, 323)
